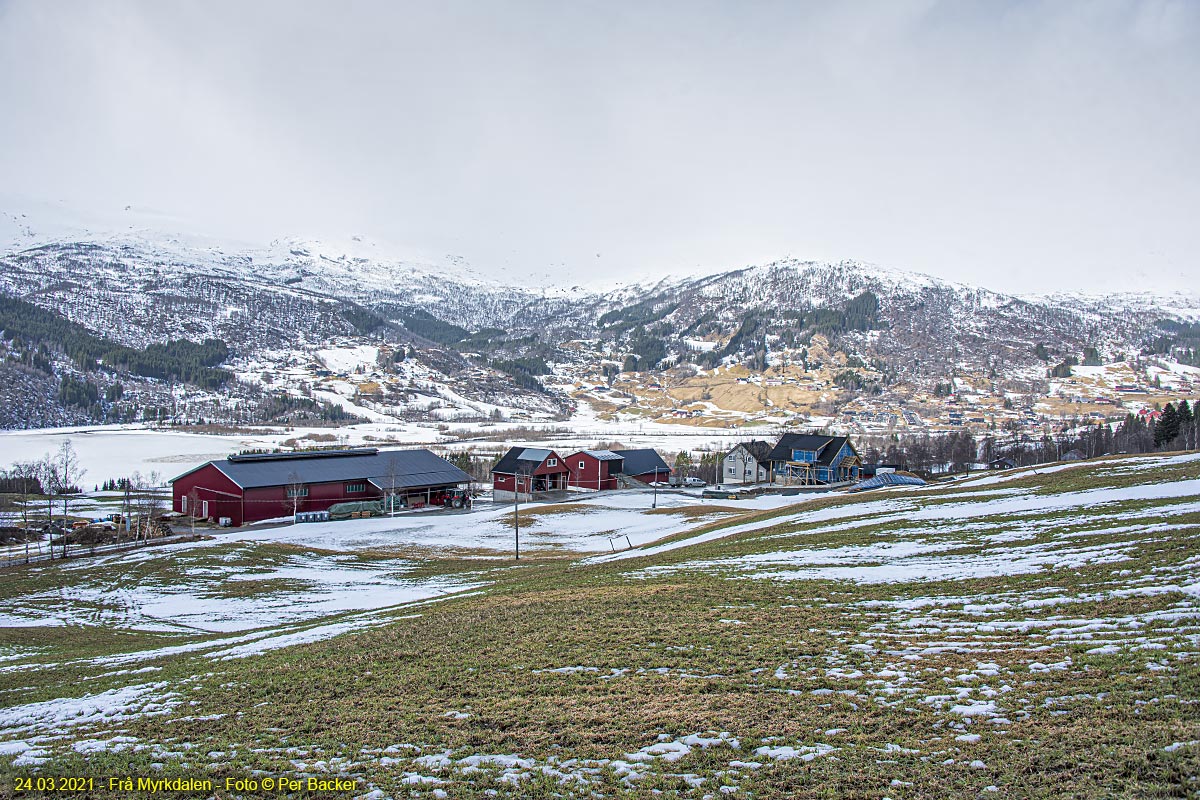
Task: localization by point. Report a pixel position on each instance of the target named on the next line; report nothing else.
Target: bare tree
(25, 475)
(193, 502)
(69, 472)
(47, 470)
(145, 501)
(295, 493)
(393, 472)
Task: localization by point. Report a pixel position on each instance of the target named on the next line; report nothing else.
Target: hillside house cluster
(533, 471)
(251, 488)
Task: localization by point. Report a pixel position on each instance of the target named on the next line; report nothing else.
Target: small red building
(257, 487)
(528, 470)
(595, 469)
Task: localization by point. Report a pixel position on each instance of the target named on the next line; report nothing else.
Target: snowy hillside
(870, 328)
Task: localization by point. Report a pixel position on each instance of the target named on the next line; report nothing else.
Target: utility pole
(522, 475)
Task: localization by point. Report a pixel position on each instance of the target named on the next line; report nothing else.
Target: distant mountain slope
(275, 304)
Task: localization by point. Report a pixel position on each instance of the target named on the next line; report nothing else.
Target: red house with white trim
(528, 470)
(595, 469)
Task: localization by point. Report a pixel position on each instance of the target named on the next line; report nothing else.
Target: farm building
(747, 463)
(528, 470)
(595, 469)
(256, 487)
(800, 458)
(644, 465)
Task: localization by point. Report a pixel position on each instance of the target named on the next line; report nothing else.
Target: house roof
(639, 462)
(522, 458)
(398, 468)
(603, 455)
(758, 450)
(826, 447)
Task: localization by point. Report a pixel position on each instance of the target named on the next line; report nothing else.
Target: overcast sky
(1025, 146)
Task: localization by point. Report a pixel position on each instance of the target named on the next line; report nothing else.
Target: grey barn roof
(604, 455)
(401, 469)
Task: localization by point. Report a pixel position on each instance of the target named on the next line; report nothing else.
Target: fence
(16, 556)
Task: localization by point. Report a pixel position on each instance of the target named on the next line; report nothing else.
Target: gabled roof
(759, 450)
(518, 459)
(603, 455)
(826, 447)
(639, 462)
(399, 468)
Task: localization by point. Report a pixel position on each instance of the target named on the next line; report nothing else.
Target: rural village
(599, 401)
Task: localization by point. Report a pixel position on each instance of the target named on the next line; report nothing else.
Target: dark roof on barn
(639, 462)
(402, 469)
(826, 447)
(518, 458)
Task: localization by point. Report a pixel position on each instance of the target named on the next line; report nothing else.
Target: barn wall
(209, 484)
(267, 502)
(593, 475)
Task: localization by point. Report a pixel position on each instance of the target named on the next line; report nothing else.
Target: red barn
(528, 470)
(257, 487)
(595, 469)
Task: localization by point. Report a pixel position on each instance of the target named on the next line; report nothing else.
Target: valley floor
(1028, 634)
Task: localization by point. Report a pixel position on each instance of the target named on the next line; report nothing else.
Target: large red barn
(257, 487)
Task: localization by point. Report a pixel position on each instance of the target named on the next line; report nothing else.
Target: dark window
(351, 488)
(297, 492)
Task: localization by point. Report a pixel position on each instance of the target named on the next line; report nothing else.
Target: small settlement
(795, 460)
(305, 485)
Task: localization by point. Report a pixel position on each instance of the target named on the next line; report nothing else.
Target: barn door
(204, 508)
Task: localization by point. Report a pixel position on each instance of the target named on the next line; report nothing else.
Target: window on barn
(351, 488)
(551, 462)
(293, 491)
(582, 465)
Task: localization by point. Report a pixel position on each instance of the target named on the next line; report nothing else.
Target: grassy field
(1028, 635)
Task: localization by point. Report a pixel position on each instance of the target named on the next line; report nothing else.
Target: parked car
(694, 482)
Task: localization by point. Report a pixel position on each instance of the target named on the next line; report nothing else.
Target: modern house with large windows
(809, 459)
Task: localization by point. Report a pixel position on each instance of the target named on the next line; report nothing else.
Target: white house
(747, 463)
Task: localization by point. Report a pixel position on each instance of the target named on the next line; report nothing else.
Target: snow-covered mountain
(294, 296)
